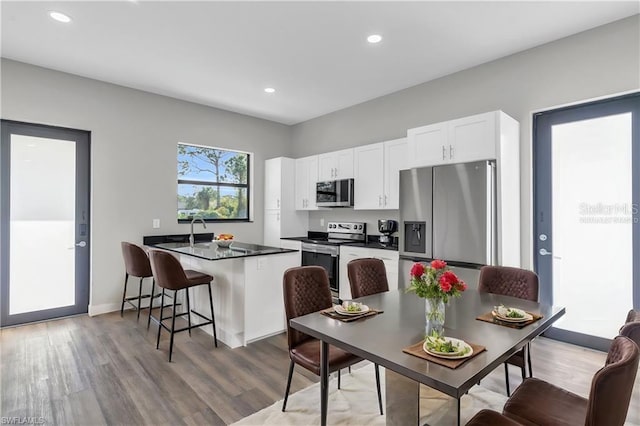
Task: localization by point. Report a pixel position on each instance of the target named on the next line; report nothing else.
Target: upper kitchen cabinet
(335, 165)
(306, 177)
(280, 216)
(473, 138)
(377, 167)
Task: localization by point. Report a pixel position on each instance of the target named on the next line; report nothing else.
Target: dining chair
(536, 402)
(631, 327)
(514, 282)
(367, 276)
(136, 264)
(170, 275)
(306, 290)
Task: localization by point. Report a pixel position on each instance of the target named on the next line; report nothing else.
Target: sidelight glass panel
(42, 200)
(592, 223)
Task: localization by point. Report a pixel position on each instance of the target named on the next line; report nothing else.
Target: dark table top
(211, 251)
(382, 337)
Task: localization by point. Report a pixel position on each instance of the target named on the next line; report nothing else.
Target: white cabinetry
(462, 140)
(377, 167)
(280, 217)
(368, 184)
(335, 165)
(306, 177)
(348, 253)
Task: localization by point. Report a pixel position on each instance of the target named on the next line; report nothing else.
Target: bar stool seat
(170, 276)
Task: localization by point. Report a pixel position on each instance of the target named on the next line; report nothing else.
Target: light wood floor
(106, 370)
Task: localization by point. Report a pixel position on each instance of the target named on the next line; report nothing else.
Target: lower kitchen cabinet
(349, 253)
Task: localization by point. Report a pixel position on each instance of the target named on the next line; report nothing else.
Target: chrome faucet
(191, 238)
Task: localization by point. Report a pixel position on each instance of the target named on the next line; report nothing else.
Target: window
(213, 184)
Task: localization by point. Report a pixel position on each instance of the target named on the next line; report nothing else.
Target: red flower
(460, 286)
(445, 285)
(417, 270)
(449, 277)
(438, 264)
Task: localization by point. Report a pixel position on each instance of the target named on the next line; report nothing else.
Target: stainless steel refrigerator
(449, 212)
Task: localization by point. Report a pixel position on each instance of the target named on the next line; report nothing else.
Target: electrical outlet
(322, 221)
(156, 223)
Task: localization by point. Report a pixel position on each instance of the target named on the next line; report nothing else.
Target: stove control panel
(347, 227)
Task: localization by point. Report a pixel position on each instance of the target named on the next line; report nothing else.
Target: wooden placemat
(488, 317)
(331, 312)
(416, 350)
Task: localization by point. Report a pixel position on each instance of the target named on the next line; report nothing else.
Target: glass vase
(434, 314)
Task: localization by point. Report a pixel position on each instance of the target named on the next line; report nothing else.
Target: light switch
(156, 223)
(322, 221)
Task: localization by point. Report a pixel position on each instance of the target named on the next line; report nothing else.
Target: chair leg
(506, 378)
(529, 359)
(173, 324)
(213, 318)
(160, 318)
(140, 297)
(153, 291)
(377, 367)
(339, 379)
(188, 310)
(286, 392)
(349, 369)
(124, 295)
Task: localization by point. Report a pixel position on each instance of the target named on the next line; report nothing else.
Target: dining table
(400, 324)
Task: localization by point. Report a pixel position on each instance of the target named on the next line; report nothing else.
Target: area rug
(356, 403)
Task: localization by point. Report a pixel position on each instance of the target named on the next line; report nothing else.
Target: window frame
(246, 186)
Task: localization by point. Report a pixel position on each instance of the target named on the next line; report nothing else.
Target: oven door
(325, 256)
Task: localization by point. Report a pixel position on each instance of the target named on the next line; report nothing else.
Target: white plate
(342, 311)
(462, 345)
(498, 313)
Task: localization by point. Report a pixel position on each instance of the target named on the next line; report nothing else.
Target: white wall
(595, 63)
(133, 156)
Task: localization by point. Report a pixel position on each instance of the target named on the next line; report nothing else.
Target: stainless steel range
(325, 251)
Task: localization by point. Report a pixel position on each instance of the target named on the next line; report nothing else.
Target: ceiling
(314, 54)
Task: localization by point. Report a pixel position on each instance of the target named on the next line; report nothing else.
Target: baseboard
(104, 308)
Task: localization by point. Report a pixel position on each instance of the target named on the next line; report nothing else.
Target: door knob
(81, 244)
(544, 252)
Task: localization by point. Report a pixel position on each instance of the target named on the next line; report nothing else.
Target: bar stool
(136, 263)
(170, 275)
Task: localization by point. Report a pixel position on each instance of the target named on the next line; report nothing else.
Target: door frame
(541, 141)
(82, 139)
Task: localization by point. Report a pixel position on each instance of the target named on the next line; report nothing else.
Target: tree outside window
(213, 183)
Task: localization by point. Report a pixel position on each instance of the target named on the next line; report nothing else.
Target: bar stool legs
(172, 330)
(213, 318)
(139, 297)
(186, 290)
(124, 295)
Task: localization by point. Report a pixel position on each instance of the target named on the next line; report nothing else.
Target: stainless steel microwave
(335, 193)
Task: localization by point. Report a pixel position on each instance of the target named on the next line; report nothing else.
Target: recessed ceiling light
(374, 38)
(60, 17)
(269, 90)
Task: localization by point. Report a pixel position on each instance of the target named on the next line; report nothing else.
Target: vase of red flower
(436, 283)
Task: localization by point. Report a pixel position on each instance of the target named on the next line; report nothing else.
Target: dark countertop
(211, 251)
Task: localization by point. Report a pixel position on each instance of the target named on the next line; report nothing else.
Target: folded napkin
(488, 317)
(417, 350)
(331, 312)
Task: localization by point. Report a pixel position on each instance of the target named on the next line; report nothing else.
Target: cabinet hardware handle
(451, 151)
(278, 202)
(379, 200)
(385, 200)
(443, 153)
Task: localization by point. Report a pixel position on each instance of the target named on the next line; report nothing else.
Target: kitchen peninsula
(247, 290)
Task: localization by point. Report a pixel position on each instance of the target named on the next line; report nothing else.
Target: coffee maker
(386, 227)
